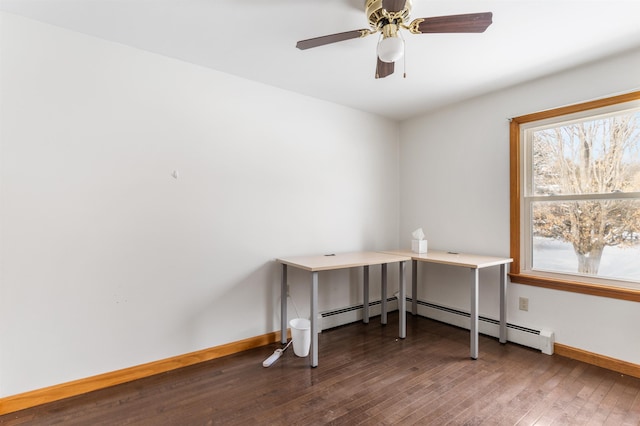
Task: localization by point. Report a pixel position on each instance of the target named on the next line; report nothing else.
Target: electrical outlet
(524, 304)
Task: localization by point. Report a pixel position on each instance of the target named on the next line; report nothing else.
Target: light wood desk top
(317, 263)
(456, 259)
(342, 260)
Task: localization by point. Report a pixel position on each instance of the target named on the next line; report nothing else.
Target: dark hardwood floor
(366, 376)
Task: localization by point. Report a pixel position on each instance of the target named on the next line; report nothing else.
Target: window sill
(577, 287)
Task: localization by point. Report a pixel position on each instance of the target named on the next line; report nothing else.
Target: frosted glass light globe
(390, 49)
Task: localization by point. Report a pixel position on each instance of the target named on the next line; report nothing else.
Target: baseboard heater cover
(542, 340)
(338, 317)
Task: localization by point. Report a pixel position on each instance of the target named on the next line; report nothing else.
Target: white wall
(107, 261)
(454, 181)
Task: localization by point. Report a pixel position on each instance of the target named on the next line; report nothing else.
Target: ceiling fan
(388, 17)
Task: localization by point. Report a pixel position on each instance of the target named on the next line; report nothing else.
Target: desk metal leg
(283, 305)
(314, 319)
(474, 314)
(365, 295)
(503, 303)
(414, 287)
(402, 304)
(383, 313)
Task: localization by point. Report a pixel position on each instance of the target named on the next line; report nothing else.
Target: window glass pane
(595, 237)
(588, 157)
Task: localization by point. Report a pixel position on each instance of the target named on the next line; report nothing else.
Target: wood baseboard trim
(53, 393)
(613, 364)
(37, 397)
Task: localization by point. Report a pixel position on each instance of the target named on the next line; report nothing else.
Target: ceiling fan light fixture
(388, 18)
(390, 49)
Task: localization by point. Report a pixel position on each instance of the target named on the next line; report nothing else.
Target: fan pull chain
(404, 56)
(404, 67)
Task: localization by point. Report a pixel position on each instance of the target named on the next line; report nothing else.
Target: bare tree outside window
(585, 182)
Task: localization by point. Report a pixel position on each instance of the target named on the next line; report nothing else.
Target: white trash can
(301, 336)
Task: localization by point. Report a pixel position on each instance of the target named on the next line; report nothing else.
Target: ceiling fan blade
(332, 38)
(393, 5)
(468, 23)
(384, 69)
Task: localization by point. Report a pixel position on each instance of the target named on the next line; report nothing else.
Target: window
(575, 198)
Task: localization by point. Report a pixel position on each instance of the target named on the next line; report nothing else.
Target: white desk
(315, 264)
(475, 263)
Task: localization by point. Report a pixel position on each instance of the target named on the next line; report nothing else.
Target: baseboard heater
(537, 339)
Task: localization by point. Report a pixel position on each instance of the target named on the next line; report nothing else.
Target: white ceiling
(255, 39)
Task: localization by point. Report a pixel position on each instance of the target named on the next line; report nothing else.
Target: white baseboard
(538, 339)
(338, 317)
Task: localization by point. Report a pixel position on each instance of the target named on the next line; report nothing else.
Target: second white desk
(475, 263)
